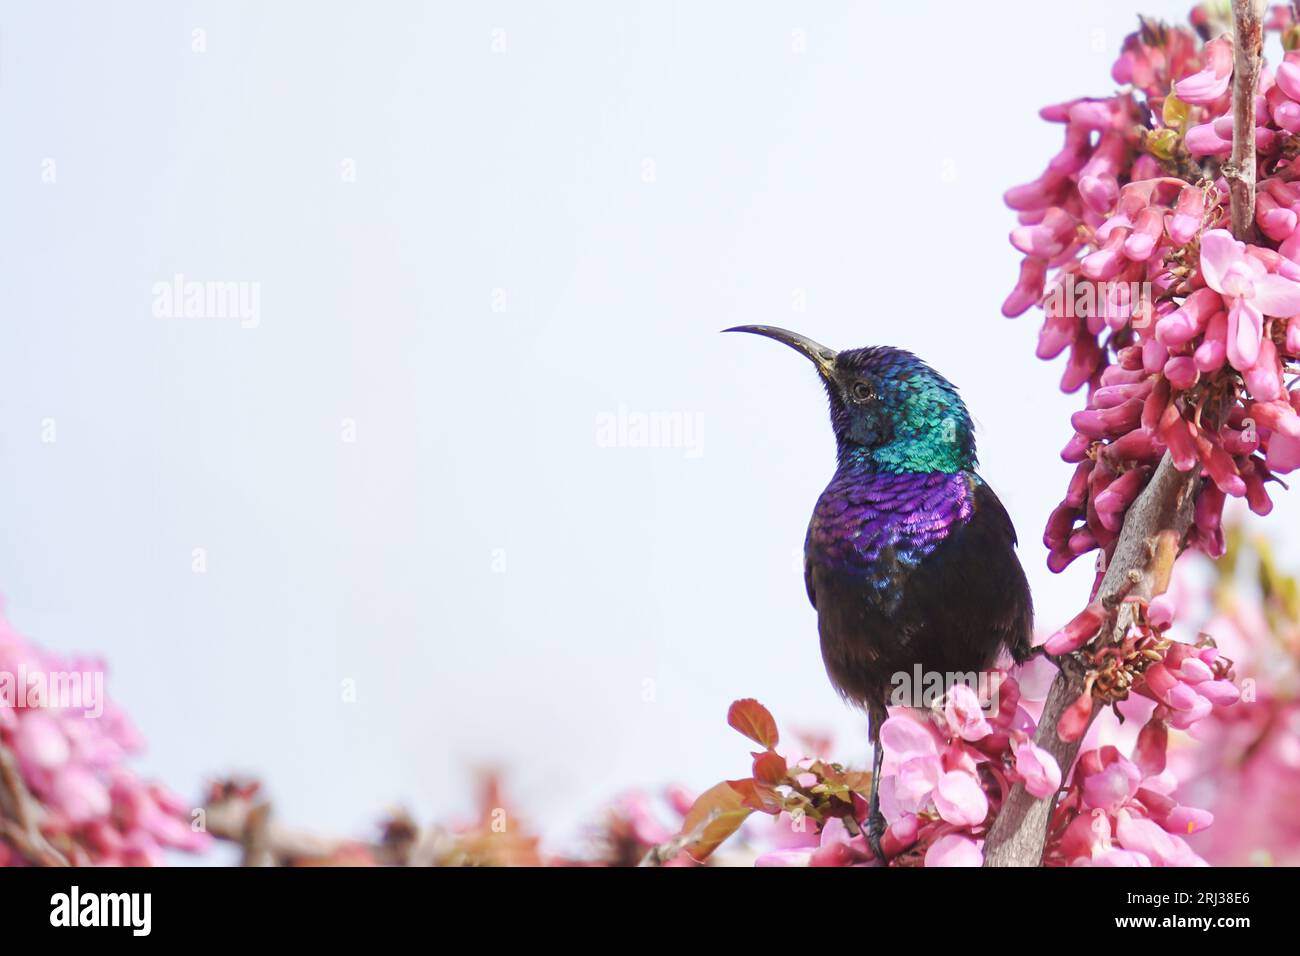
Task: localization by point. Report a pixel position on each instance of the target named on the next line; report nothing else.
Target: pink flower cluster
(635, 823)
(1186, 681)
(1122, 813)
(946, 772)
(1246, 763)
(71, 758)
(833, 845)
(1181, 333)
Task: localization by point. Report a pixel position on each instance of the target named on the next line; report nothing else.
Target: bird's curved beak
(820, 355)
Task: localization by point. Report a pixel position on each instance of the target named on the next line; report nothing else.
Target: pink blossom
(833, 846)
(1189, 820)
(964, 713)
(74, 763)
(915, 781)
(1192, 328)
(79, 795)
(1113, 785)
(1213, 79)
(904, 737)
(954, 850)
(1143, 836)
(837, 847)
(1116, 857)
(795, 857)
(40, 742)
(1251, 291)
(960, 800)
(645, 826)
(1288, 75)
(1206, 140)
(1038, 770)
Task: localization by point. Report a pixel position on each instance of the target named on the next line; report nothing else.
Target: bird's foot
(875, 832)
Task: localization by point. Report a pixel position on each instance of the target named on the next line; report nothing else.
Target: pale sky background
(866, 171)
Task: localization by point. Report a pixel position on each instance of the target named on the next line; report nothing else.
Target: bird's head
(891, 412)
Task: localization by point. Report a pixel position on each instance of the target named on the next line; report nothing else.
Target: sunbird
(910, 557)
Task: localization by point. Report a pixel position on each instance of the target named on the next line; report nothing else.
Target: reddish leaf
(754, 721)
(716, 814)
(758, 796)
(769, 767)
(859, 781)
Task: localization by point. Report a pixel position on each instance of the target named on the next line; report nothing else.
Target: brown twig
(20, 815)
(236, 813)
(668, 851)
(1157, 523)
(1151, 539)
(246, 821)
(1247, 56)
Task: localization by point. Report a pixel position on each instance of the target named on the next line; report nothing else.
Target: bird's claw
(875, 832)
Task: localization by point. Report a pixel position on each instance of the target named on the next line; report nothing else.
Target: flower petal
(785, 858)
(1039, 769)
(1146, 837)
(917, 778)
(903, 738)
(1283, 453)
(960, 800)
(1112, 786)
(1218, 252)
(1275, 295)
(1245, 330)
(954, 850)
(964, 714)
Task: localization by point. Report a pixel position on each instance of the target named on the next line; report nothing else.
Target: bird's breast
(879, 524)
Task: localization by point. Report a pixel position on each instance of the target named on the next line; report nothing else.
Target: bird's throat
(934, 453)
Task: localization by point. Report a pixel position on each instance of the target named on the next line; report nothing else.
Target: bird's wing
(987, 500)
(978, 566)
(808, 580)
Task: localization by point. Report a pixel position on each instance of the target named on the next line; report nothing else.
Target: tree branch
(20, 815)
(236, 813)
(1247, 57)
(1157, 523)
(668, 851)
(1149, 543)
(246, 821)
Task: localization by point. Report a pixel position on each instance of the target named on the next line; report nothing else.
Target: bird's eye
(862, 392)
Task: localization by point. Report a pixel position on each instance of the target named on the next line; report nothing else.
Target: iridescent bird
(910, 557)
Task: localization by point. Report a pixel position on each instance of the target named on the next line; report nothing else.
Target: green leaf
(1175, 112)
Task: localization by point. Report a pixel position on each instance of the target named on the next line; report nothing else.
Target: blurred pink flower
(72, 755)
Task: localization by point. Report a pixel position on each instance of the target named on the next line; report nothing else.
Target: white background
(866, 171)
